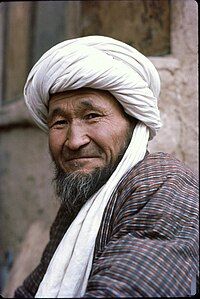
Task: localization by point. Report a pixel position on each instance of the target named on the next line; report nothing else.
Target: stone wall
(179, 95)
(25, 168)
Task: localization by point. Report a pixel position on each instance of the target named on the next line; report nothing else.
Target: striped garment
(147, 245)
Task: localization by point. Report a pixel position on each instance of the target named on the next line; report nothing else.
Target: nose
(76, 137)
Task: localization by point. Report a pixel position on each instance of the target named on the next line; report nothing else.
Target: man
(127, 225)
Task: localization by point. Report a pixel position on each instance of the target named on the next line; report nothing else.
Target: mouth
(79, 163)
(84, 164)
(79, 159)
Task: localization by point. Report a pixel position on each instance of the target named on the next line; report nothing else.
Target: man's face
(88, 129)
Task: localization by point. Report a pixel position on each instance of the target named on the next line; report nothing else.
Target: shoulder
(158, 168)
(159, 193)
(159, 179)
(164, 162)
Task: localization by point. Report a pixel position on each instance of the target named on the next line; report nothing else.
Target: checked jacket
(147, 244)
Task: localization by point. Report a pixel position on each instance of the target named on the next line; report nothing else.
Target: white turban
(97, 62)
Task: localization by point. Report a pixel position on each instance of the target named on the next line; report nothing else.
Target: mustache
(86, 152)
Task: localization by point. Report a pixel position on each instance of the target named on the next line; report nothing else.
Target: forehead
(85, 97)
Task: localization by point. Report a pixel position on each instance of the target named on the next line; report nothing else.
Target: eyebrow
(56, 112)
(85, 103)
(89, 105)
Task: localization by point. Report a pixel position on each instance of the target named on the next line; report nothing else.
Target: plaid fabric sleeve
(148, 242)
(31, 283)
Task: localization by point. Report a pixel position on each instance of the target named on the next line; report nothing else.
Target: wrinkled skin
(88, 129)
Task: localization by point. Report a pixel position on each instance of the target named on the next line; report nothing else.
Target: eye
(59, 123)
(92, 116)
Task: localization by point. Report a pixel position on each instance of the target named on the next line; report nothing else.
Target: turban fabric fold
(97, 62)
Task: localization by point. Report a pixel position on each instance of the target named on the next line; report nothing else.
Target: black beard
(74, 189)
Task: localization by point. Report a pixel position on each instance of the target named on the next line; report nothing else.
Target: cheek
(111, 138)
(55, 143)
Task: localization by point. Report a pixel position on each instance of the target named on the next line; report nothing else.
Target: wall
(26, 170)
(179, 95)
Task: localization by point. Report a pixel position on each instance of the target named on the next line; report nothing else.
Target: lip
(76, 159)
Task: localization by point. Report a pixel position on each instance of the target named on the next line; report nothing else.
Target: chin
(82, 169)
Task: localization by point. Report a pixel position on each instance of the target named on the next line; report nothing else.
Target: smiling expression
(88, 129)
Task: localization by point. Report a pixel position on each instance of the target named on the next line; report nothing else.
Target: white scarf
(69, 269)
